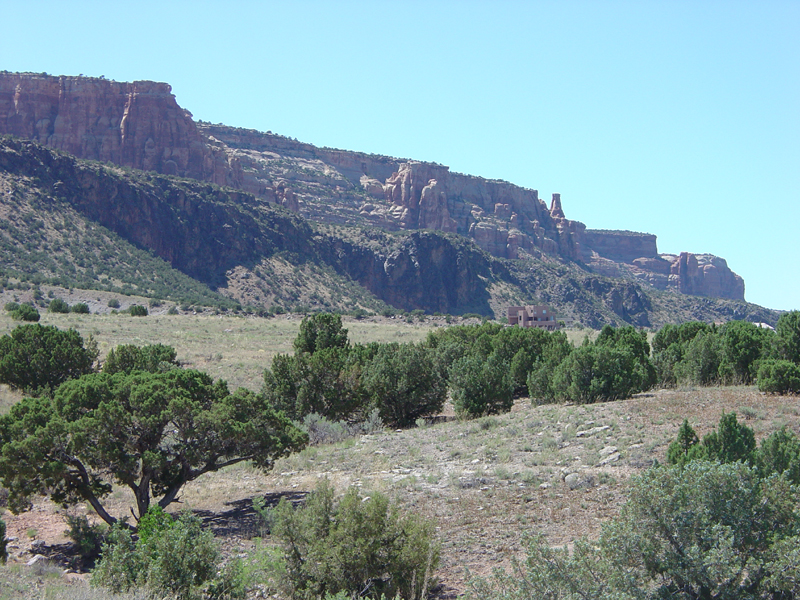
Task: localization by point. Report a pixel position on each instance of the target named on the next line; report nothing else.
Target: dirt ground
(556, 470)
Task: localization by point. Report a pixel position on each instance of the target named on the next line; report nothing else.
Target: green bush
(57, 305)
(540, 376)
(402, 382)
(87, 538)
(788, 330)
(320, 331)
(701, 360)
(669, 348)
(80, 308)
(327, 382)
(779, 377)
(780, 454)
(742, 345)
(480, 387)
(153, 358)
(3, 542)
(679, 451)
(113, 303)
(731, 442)
(136, 310)
(363, 547)
(42, 357)
(595, 373)
(24, 312)
(153, 523)
(173, 559)
(704, 531)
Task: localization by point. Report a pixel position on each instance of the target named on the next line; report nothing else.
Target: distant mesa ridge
(140, 125)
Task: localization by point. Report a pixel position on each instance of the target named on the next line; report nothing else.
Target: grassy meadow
(234, 348)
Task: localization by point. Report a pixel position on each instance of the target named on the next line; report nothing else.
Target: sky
(677, 118)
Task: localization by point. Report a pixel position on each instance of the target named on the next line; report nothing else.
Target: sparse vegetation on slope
(87, 225)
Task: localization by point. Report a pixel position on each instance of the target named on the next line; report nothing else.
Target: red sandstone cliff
(137, 124)
(140, 125)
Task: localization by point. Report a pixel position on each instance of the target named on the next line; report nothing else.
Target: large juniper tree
(151, 432)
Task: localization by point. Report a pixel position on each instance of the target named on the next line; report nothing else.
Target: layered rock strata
(140, 125)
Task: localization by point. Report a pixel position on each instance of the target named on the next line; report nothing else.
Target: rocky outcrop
(137, 124)
(705, 275)
(140, 125)
(208, 232)
(635, 256)
(621, 246)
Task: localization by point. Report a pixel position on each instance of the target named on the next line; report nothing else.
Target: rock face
(632, 254)
(622, 246)
(206, 232)
(706, 275)
(137, 124)
(140, 125)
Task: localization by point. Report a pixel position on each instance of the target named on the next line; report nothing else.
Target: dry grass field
(236, 349)
(559, 470)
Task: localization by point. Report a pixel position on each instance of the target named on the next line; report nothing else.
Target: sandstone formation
(221, 236)
(706, 275)
(621, 246)
(140, 125)
(137, 124)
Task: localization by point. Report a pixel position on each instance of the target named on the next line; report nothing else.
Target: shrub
(37, 357)
(480, 387)
(788, 330)
(669, 348)
(362, 547)
(173, 310)
(678, 451)
(113, 303)
(703, 531)
(136, 310)
(80, 308)
(780, 453)
(25, 312)
(320, 331)
(540, 376)
(120, 566)
(152, 358)
(3, 542)
(742, 344)
(595, 373)
(88, 538)
(701, 360)
(327, 382)
(403, 383)
(57, 305)
(779, 377)
(175, 559)
(323, 431)
(731, 442)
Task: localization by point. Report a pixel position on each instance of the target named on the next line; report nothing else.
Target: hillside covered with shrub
(89, 225)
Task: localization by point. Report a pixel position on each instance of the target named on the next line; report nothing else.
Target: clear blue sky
(678, 118)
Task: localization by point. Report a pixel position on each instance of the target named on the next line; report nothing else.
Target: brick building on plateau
(538, 315)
